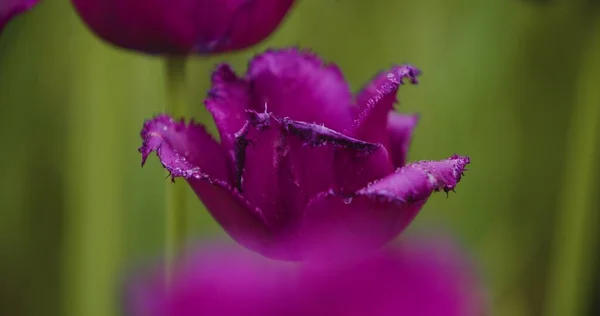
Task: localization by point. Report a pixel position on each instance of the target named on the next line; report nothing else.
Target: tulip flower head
(10, 8)
(429, 278)
(181, 27)
(300, 162)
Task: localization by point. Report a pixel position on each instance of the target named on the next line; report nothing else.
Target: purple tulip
(10, 8)
(300, 163)
(183, 27)
(419, 278)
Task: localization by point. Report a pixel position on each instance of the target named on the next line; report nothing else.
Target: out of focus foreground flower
(417, 279)
(315, 166)
(11, 8)
(183, 27)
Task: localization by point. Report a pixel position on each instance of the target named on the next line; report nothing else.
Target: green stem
(176, 216)
(572, 261)
(175, 75)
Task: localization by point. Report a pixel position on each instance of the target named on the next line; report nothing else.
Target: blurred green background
(512, 83)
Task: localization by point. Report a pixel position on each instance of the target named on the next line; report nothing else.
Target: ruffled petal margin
(188, 151)
(375, 102)
(379, 212)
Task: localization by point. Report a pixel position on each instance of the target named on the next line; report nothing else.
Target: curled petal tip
(376, 100)
(172, 140)
(150, 140)
(416, 181)
(463, 159)
(407, 71)
(459, 169)
(445, 175)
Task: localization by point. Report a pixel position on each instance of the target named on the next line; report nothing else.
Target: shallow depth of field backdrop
(512, 83)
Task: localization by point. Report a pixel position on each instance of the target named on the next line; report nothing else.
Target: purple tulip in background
(11, 8)
(183, 26)
(300, 162)
(424, 278)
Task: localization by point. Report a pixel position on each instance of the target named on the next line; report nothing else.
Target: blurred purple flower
(316, 167)
(183, 27)
(10, 8)
(418, 279)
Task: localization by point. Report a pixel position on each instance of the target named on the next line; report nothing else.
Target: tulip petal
(242, 23)
(11, 8)
(430, 276)
(292, 84)
(228, 99)
(376, 101)
(270, 170)
(298, 85)
(353, 171)
(354, 162)
(422, 278)
(400, 129)
(263, 173)
(185, 150)
(377, 213)
(156, 27)
(416, 181)
(182, 27)
(214, 279)
(188, 151)
(245, 223)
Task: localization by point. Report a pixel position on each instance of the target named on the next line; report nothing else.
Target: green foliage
(502, 80)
